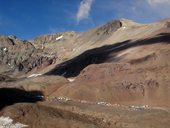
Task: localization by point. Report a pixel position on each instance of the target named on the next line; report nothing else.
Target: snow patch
(6, 122)
(139, 107)
(124, 27)
(4, 49)
(59, 38)
(34, 75)
(71, 79)
(63, 99)
(126, 52)
(101, 103)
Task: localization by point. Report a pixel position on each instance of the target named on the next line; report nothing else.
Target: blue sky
(30, 18)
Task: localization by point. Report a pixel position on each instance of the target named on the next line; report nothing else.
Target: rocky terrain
(19, 57)
(114, 76)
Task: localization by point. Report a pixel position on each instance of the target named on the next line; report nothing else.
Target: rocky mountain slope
(121, 66)
(20, 57)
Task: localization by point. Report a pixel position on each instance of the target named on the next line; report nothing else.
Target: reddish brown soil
(138, 75)
(120, 78)
(58, 114)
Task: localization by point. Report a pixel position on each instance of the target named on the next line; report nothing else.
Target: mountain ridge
(116, 75)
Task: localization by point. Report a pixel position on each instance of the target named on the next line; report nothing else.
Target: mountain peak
(127, 22)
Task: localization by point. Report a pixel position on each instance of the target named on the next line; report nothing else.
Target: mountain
(20, 56)
(115, 75)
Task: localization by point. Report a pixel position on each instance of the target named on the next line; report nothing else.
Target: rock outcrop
(21, 56)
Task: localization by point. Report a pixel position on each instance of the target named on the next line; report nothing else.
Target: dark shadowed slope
(103, 54)
(9, 96)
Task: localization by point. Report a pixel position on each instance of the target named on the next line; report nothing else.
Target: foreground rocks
(70, 114)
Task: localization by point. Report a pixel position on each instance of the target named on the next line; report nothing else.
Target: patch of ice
(5, 49)
(59, 38)
(139, 107)
(124, 27)
(12, 37)
(34, 75)
(101, 103)
(63, 98)
(71, 79)
(6, 122)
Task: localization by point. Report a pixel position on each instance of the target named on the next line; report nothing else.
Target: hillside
(116, 75)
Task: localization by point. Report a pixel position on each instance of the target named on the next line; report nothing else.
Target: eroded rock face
(21, 56)
(109, 28)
